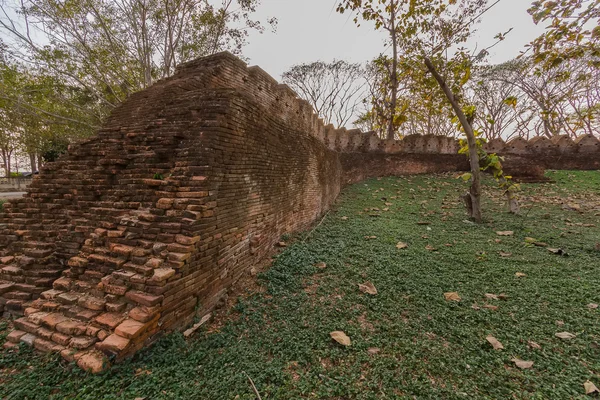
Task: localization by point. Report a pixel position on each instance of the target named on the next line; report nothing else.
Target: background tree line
(513, 99)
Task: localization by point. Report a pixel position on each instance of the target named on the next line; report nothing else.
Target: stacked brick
(140, 229)
(144, 227)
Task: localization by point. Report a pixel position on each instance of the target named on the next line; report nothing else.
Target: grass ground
(407, 341)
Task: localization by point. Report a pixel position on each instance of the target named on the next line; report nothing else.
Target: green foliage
(429, 348)
(572, 31)
(491, 163)
(99, 52)
(158, 176)
(417, 29)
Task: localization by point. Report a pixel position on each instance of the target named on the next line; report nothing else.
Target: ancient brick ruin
(142, 228)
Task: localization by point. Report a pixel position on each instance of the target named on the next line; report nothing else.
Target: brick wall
(146, 225)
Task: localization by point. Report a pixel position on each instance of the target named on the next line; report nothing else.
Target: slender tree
(427, 31)
(335, 90)
(385, 15)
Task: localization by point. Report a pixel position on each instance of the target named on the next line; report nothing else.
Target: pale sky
(311, 30)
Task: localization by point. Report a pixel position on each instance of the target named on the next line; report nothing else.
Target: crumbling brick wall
(145, 226)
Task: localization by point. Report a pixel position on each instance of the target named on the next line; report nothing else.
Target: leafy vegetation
(408, 239)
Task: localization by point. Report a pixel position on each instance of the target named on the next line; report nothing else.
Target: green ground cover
(408, 341)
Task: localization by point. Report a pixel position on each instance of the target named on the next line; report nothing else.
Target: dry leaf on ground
(503, 254)
(590, 388)
(565, 335)
(494, 342)
(559, 252)
(430, 248)
(452, 296)
(341, 338)
(370, 237)
(401, 245)
(490, 307)
(344, 218)
(534, 345)
(373, 350)
(520, 275)
(505, 233)
(592, 306)
(491, 296)
(368, 288)
(522, 364)
(321, 265)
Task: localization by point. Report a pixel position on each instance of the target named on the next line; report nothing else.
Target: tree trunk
(32, 162)
(391, 134)
(4, 163)
(40, 161)
(475, 191)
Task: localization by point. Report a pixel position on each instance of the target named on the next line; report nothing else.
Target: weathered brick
(92, 303)
(82, 342)
(15, 336)
(143, 298)
(61, 338)
(161, 274)
(109, 320)
(24, 324)
(93, 362)
(113, 344)
(143, 314)
(130, 329)
(53, 319)
(71, 327)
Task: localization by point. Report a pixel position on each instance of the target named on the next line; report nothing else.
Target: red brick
(114, 344)
(53, 319)
(91, 303)
(93, 362)
(143, 298)
(161, 274)
(44, 333)
(115, 289)
(5, 287)
(143, 314)
(187, 240)
(82, 342)
(130, 329)
(10, 346)
(24, 324)
(61, 338)
(109, 320)
(62, 284)
(44, 345)
(15, 336)
(77, 262)
(37, 317)
(71, 327)
(116, 307)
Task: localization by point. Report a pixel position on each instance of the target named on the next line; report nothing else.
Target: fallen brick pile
(145, 226)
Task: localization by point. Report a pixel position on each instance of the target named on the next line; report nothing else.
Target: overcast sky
(311, 30)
